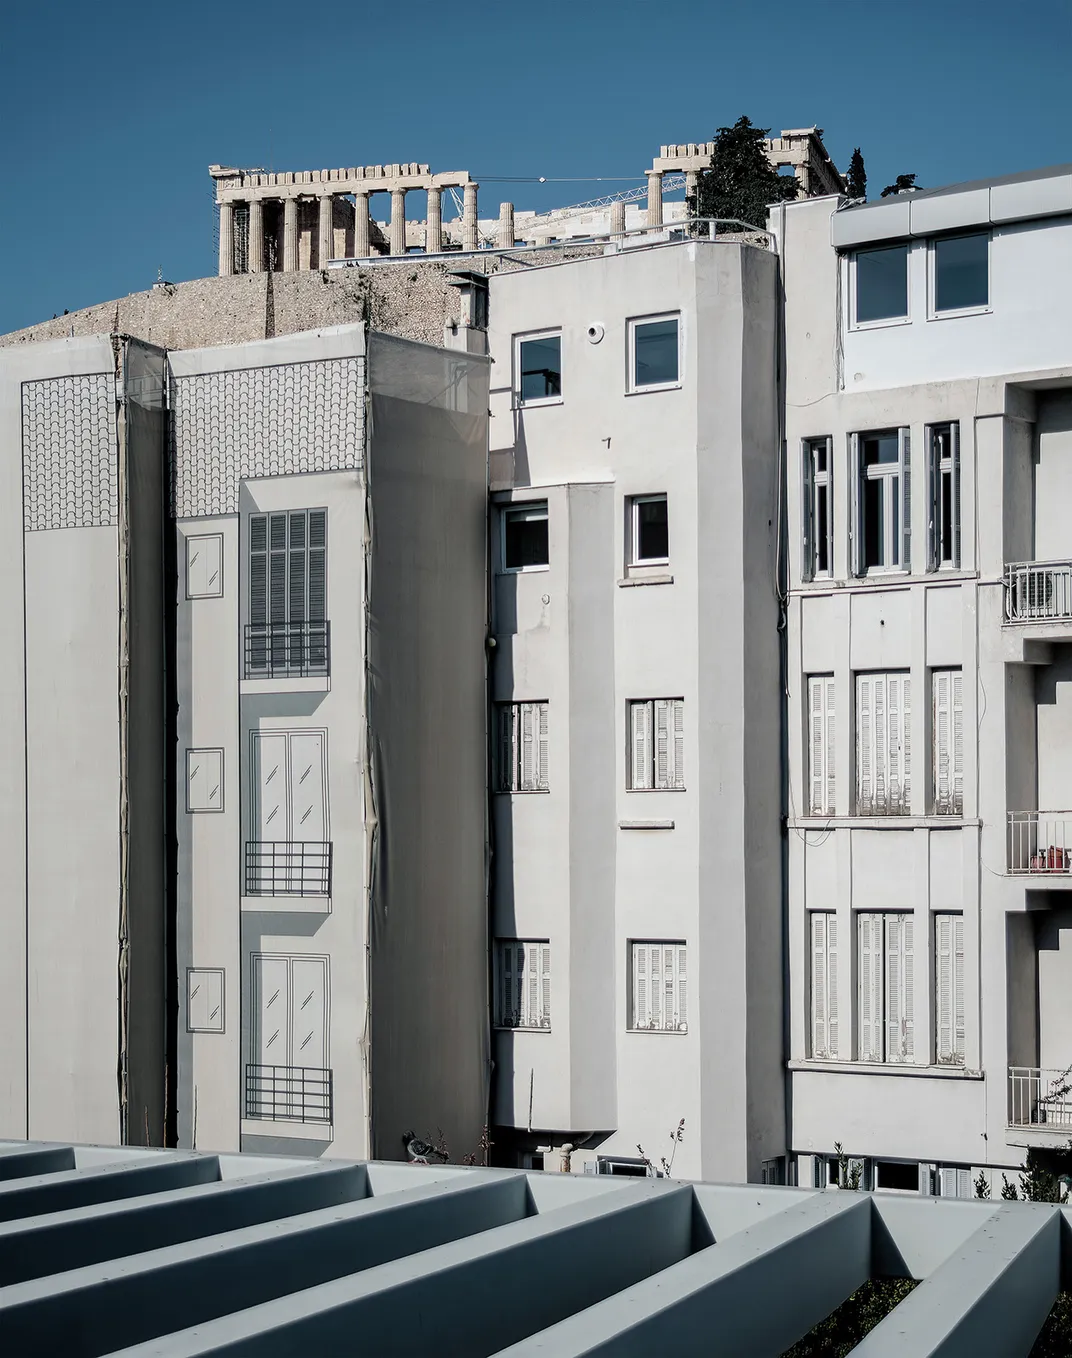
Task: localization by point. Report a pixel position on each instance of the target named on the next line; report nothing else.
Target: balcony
(1040, 843)
(1040, 1098)
(287, 657)
(300, 1094)
(287, 875)
(1038, 591)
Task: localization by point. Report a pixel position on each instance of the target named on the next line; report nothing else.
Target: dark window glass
(960, 273)
(525, 537)
(892, 1174)
(822, 531)
(882, 283)
(881, 448)
(654, 353)
(541, 368)
(874, 546)
(652, 530)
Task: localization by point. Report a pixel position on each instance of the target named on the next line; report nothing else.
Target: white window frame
(519, 401)
(522, 746)
(211, 982)
(947, 742)
(524, 510)
(900, 473)
(635, 559)
(209, 546)
(943, 461)
(949, 1007)
(670, 1013)
(817, 487)
(933, 314)
(655, 728)
(885, 987)
(633, 387)
(883, 729)
(206, 765)
(885, 321)
(523, 984)
(823, 972)
(821, 741)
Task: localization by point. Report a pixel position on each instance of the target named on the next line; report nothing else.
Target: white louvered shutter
(663, 756)
(821, 720)
(318, 523)
(954, 441)
(641, 1007)
(506, 985)
(948, 742)
(870, 987)
(507, 715)
(807, 514)
(865, 744)
(900, 968)
(824, 1041)
(681, 1009)
(958, 989)
(906, 499)
(655, 986)
(949, 989)
(543, 741)
(528, 748)
(677, 744)
(640, 743)
(532, 985)
(545, 985)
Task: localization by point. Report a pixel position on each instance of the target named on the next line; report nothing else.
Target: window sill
(522, 792)
(538, 403)
(285, 1128)
(659, 1032)
(646, 790)
(631, 580)
(884, 323)
(319, 683)
(287, 905)
(523, 570)
(655, 386)
(960, 313)
(645, 825)
(886, 1068)
(819, 824)
(510, 1028)
(882, 581)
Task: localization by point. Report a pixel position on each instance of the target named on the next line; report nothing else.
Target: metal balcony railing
(1040, 1098)
(1040, 841)
(288, 868)
(288, 1093)
(288, 650)
(1038, 591)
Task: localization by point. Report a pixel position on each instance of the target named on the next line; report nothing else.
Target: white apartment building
(928, 432)
(636, 854)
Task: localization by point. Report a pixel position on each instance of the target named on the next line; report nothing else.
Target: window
(204, 780)
(287, 632)
(523, 741)
(204, 1000)
(204, 566)
(961, 266)
(817, 514)
(883, 744)
(523, 969)
(654, 353)
(524, 537)
(649, 531)
(288, 1078)
(824, 984)
(948, 736)
(821, 723)
(949, 989)
(288, 852)
(657, 971)
(946, 1181)
(538, 360)
(883, 518)
(943, 448)
(881, 284)
(657, 744)
(896, 1176)
(885, 974)
(844, 1171)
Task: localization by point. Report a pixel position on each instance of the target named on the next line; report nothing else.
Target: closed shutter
(640, 743)
(948, 742)
(528, 748)
(532, 985)
(545, 985)
(865, 744)
(258, 569)
(277, 568)
(506, 985)
(641, 1002)
(906, 499)
(824, 1041)
(542, 783)
(934, 525)
(870, 987)
(655, 986)
(507, 745)
(954, 441)
(883, 744)
(681, 1010)
(318, 527)
(807, 514)
(663, 757)
(821, 719)
(898, 742)
(678, 743)
(296, 583)
(856, 525)
(900, 967)
(949, 989)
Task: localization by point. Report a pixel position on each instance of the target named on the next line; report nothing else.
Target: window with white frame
(522, 747)
(880, 282)
(657, 745)
(946, 1181)
(654, 352)
(817, 508)
(821, 726)
(883, 744)
(943, 454)
(824, 984)
(947, 730)
(658, 986)
(949, 989)
(649, 531)
(523, 977)
(885, 967)
(523, 537)
(960, 273)
(882, 521)
(538, 368)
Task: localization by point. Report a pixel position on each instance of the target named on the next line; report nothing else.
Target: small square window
(204, 566)
(523, 983)
(961, 273)
(524, 538)
(654, 352)
(649, 531)
(658, 986)
(539, 368)
(882, 284)
(204, 1000)
(204, 780)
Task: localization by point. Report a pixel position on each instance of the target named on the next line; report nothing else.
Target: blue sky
(112, 112)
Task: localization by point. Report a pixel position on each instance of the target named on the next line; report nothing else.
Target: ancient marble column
(324, 240)
(506, 226)
(226, 239)
(470, 234)
(398, 221)
(256, 236)
(692, 188)
(290, 235)
(433, 233)
(361, 225)
(617, 220)
(655, 198)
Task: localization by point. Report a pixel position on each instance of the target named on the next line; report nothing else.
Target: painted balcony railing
(1040, 1098)
(288, 650)
(288, 1093)
(1038, 591)
(1040, 841)
(288, 868)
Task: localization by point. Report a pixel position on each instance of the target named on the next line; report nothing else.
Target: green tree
(741, 183)
(856, 186)
(902, 184)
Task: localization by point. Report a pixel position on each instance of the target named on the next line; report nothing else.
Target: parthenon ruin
(300, 220)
